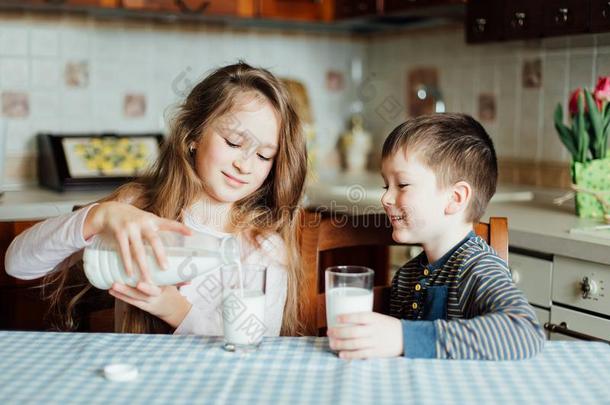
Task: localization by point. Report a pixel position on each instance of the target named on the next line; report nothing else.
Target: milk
(243, 316)
(187, 257)
(104, 267)
(347, 300)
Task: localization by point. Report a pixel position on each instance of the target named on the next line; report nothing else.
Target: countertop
(534, 222)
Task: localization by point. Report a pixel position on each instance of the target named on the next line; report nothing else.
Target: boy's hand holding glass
(366, 335)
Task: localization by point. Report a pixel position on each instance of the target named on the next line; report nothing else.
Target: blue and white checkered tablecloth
(44, 367)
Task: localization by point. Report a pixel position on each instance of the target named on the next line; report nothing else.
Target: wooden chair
(320, 234)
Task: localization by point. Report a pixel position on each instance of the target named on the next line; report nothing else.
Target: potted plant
(587, 141)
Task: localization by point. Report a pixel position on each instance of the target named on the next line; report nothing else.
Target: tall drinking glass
(243, 305)
(349, 289)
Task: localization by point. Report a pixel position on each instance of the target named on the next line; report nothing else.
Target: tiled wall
(522, 129)
(72, 74)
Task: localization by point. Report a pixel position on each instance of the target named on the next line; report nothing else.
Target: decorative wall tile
(487, 107)
(532, 74)
(134, 105)
(15, 105)
(334, 81)
(76, 74)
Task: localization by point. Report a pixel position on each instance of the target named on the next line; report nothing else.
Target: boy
(456, 300)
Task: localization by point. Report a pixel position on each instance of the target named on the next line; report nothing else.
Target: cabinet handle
(606, 11)
(562, 329)
(518, 21)
(480, 24)
(55, 2)
(195, 10)
(561, 17)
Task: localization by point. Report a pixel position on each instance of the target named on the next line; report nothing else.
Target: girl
(234, 162)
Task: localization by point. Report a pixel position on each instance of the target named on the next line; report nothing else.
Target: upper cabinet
(493, 20)
(240, 8)
(600, 15)
(563, 17)
(316, 10)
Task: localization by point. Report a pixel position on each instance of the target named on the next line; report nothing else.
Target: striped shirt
(466, 307)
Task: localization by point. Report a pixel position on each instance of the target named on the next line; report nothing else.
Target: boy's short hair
(457, 148)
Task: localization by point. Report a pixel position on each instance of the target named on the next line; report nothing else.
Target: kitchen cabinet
(297, 10)
(522, 19)
(316, 10)
(23, 306)
(569, 293)
(396, 6)
(496, 20)
(238, 8)
(483, 21)
(600, 15)
(563, 17)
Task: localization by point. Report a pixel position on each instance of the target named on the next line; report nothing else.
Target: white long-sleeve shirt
(40, 249)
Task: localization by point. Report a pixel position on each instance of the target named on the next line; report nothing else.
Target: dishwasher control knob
(588, 287)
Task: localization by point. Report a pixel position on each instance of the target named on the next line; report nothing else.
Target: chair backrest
(322, 233)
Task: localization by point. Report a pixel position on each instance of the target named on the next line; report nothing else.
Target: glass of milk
(349, 289)
(243, 305)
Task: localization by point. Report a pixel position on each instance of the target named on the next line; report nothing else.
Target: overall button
(414, 305)
(417, 287)
(426, 272)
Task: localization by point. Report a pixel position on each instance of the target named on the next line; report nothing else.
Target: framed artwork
(90, 161)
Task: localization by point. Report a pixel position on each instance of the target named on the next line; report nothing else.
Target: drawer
(579, 322)
(581, 284)
(532, 276)
(544, 316)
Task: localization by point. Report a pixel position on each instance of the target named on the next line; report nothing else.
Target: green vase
(595, 176)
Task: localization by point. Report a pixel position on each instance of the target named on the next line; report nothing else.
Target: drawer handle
(562, 329)
(479, 25)
(561, 17)
(518, 20)
(606, 11)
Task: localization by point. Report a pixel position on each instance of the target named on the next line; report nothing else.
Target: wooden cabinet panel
(562, 17)
(522, 19)
(242, 8)
(341, 9)
(600, 15)
(483, 20)
(298, 10)
(395, 6)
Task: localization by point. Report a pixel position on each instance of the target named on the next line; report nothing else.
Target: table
(47, 367)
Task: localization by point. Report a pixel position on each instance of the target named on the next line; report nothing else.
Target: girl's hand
(130, 226)
(367, 335)
(165, 302)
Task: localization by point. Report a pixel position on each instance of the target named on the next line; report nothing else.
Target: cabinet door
(241, 8)
(298, 10)
(600, 15)
(562, 17)
(522, 19)
(483, 20)
(350, 8)
(394, 6)
(533, 276)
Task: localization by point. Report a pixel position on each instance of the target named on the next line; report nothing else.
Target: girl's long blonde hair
(172, 183)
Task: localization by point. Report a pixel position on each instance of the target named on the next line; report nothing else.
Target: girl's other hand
(164, 302)
(130, 226)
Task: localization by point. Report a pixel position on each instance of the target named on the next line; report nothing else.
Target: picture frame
(92, 161)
